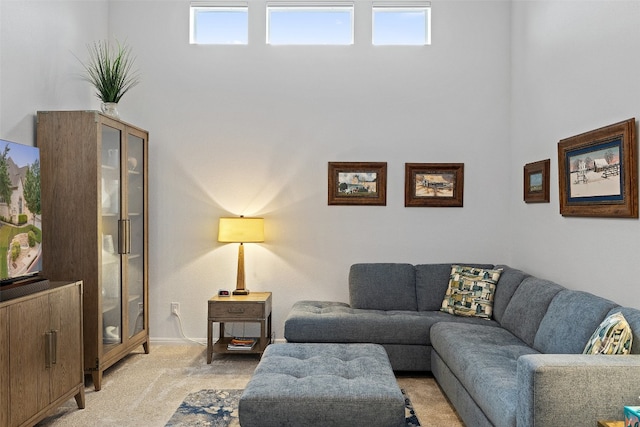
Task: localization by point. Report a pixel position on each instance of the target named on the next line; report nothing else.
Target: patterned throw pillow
(470, 291)
(613, 336)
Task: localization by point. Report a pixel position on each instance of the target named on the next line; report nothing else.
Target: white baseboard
(177, 341)
(196, 341)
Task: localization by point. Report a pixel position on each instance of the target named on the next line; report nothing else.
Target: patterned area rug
(219, 408)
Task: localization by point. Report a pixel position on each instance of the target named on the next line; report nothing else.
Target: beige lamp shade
(241, 230)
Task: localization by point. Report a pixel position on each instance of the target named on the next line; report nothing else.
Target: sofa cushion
(509, 281)
(570, 320)
(383, 286)
(432, 281)
(613, 336)
(484, 360)
(528, 306)
(334, 322)
(470, 292)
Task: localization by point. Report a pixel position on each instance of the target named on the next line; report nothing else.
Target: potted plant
(110, 70)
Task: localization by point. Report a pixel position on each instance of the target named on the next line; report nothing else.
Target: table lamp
(241, 230)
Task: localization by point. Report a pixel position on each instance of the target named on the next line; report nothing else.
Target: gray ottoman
(322, 385)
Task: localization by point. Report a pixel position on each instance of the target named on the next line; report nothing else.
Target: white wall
(574, 69)
(250, 129)
(38, 69)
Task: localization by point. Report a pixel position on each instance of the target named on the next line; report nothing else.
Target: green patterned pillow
(470, 291)
(613, 336)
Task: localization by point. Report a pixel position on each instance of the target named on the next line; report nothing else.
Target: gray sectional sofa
(523, 367)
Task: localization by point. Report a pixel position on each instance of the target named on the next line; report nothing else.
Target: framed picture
(536, 181)
(433, 184)
(598, 172)
(358, 183)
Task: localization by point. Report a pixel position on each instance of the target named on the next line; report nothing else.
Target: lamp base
(241, 292)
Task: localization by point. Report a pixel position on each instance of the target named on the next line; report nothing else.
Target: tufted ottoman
(322, 385)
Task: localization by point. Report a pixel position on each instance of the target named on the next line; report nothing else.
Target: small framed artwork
(598, 172)
(358, 183)
(536, 181)
(433, 184)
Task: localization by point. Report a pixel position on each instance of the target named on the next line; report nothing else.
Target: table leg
(209, 341)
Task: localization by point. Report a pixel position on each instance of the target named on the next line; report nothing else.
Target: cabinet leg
(97, 380)
(145, 346)
(80, 398)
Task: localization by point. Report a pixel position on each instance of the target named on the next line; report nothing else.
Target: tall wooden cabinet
(95, 226)
(40, 353)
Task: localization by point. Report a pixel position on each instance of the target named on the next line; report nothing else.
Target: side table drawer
(238, 310)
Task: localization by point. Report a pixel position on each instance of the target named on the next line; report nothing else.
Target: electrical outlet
(175, 308)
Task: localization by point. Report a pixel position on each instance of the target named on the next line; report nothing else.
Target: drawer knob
(236, 310)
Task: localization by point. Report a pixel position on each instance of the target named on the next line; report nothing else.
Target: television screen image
(20, 213)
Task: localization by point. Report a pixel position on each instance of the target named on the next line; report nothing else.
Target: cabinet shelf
(109, 304)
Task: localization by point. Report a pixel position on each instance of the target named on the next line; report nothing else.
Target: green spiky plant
(110, 70)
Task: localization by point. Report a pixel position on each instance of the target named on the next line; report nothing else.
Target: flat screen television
(20, 214)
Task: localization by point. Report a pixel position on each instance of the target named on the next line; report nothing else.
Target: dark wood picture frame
(598, 172)
(433, 184)
(536, 181)
(357, 183)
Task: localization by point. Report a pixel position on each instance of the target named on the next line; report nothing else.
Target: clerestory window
(397, 23)
(219, 24)
(310, 24)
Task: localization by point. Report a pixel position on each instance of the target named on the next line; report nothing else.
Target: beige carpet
(146, 389)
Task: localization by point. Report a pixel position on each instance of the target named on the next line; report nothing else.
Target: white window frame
(195, 7)
(299, 6)
(402, 6)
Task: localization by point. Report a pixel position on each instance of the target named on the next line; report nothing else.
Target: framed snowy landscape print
(598, 172)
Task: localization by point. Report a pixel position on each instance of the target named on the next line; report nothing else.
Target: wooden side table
(603, 423)
(252, 308)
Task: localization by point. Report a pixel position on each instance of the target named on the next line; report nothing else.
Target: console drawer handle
(236, 310)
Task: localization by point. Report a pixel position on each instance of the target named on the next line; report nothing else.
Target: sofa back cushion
(509, 281)
(432, 281)
(571, 319)
(528, 306)
(382, 286)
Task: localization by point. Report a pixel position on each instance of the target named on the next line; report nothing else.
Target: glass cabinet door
(136, 232)
(111, 265)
